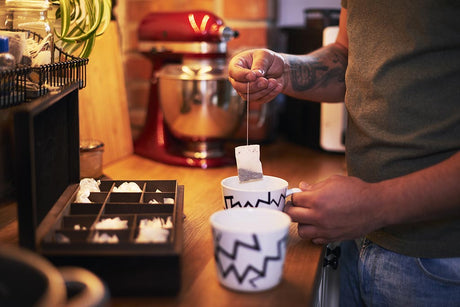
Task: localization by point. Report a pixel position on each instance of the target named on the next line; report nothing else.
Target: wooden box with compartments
(131, 239)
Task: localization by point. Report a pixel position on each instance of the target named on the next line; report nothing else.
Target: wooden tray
(55, 226)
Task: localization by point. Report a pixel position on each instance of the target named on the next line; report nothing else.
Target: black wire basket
(25, 83)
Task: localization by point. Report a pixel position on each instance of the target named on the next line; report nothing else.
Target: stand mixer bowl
(200, 107)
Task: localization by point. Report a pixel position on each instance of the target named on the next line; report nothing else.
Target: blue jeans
(374, 276)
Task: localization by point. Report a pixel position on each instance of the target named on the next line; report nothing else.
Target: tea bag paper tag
(248, 162)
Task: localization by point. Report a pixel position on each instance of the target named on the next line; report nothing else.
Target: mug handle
(292, 191)
(87, 288)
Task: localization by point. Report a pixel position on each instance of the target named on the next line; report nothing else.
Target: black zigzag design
(269, 201)
(220, 251)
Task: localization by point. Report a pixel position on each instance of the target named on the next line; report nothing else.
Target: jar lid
(91, 145)
(24, 4)
(4, 47)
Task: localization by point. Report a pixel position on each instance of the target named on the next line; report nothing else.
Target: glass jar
(30, 19)
(91, 158)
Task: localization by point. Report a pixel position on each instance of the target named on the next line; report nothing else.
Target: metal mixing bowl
(200, 106)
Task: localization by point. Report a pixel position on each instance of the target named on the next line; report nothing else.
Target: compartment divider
(93, 229)
(134, 227)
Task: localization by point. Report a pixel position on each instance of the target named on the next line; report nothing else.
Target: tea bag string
(247, 115)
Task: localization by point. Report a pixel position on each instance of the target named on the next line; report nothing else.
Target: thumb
(261, 61)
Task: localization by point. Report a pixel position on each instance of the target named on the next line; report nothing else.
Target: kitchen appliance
(316, 125)
(192, 107)
(333, 120)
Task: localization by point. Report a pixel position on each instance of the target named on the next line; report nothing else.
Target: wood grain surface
(202, 197)
(103, 102)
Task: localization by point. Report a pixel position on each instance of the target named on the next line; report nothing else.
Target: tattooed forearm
(305, 73)
(319, 69)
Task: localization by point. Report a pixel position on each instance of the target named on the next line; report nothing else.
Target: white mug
(250, 247)
(268, 192)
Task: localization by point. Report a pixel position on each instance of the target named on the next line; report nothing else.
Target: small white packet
(248, 162)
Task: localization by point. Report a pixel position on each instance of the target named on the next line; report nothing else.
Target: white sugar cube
(127, 187)
(112, 223)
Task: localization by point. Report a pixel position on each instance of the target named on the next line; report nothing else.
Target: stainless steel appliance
(316, 125)
(193, 110)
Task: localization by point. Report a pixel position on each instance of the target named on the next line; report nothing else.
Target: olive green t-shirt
(403, 101)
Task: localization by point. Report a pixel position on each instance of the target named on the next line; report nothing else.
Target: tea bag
(248, 157)
(248, 163)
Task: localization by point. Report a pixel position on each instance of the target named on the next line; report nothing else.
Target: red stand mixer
(192, 107)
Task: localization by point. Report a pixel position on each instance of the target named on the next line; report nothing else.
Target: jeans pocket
(442, 269)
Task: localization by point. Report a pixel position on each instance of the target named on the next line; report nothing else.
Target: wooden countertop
(202, 198)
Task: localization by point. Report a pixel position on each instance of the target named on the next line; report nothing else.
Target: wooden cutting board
(103, 102)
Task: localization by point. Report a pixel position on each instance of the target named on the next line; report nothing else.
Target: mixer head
(191, 32)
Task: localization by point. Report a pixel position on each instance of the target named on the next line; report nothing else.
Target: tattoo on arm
(319, 69)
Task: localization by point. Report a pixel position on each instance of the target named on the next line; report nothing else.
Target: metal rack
(25, 83)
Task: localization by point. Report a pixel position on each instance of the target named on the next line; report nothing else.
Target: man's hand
(263, 69)
(335, 209)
